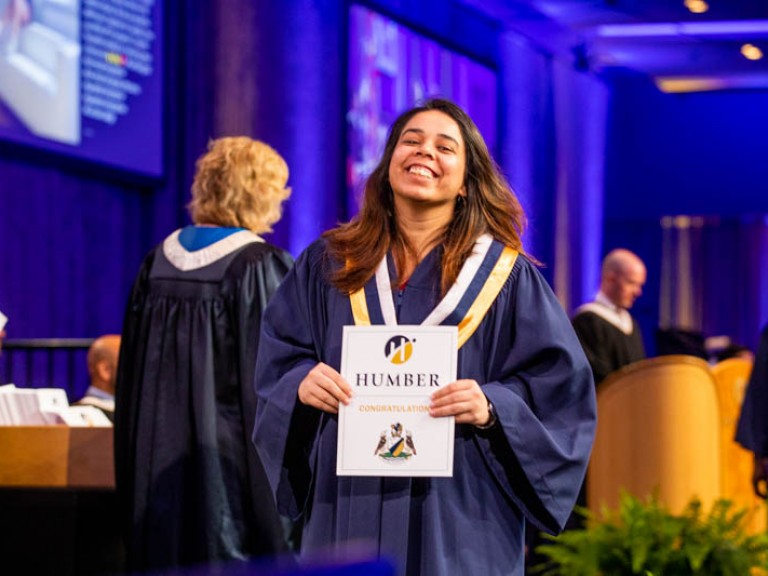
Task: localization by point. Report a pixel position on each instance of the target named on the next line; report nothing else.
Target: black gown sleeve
(128, 391)
(289, 348)
(256, 286)
(752, 429)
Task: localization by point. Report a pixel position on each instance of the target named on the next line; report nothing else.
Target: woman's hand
(323, 388)
(463, 399)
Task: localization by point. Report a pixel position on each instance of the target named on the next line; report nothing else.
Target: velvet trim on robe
(527, 359)
(190, 485)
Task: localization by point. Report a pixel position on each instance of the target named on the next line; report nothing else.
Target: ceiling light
(682, 85)
(697, 6)
(672, 29)
(679, 84)
(751, 52)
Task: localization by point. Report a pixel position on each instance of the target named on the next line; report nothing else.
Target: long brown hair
(490, 206)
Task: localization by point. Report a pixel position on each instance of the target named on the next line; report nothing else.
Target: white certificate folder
(386, 430)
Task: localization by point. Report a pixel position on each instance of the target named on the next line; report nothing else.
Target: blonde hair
(239, 182)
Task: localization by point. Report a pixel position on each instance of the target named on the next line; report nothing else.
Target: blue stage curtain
(581, 106)
(297, 60)
(715, 276)
(554, 125)
(528, 142)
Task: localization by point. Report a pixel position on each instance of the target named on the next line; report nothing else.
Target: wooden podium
(657, 432)
(56, 456)
(59, 505)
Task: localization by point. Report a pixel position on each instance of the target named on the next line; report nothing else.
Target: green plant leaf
(642, 537)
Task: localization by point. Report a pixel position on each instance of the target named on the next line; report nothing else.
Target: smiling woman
(438, 233)
(409, 213)
(427, 172)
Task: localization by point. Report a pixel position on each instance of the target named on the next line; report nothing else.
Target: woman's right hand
(323, 388)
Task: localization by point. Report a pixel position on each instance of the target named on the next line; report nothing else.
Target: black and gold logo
(398, 349)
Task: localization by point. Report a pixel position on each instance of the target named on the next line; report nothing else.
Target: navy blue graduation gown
(529, 362)
(752, 429)
(189, 482)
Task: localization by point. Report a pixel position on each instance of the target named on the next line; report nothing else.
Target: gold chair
(731, 377)
(657, 432)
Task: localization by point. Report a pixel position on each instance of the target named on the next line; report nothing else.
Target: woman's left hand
(463, 399)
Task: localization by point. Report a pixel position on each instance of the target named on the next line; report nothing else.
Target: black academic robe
(190, 484)
(529, 467)
(752, 429)
(606, 346)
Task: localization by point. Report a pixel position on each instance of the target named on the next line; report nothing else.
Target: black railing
(46, 363)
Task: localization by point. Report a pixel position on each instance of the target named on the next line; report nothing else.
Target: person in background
(610, 336)
(438, 240)
(190, 484)
(102, 371)
(752, 429)
(734, 350)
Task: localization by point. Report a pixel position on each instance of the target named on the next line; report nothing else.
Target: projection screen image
(391, 68)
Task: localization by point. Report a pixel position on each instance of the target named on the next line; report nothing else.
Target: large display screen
(391, 68)
(84, 78)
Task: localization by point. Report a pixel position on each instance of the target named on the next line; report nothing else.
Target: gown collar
(186, 260)
(608, 311)
(464, 305)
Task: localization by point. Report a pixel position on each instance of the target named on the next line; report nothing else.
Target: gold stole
(477, 310)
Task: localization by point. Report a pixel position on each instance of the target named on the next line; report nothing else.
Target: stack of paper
(44, 406)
